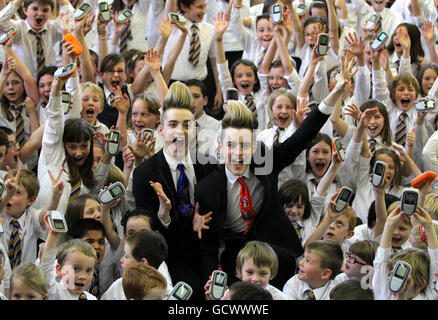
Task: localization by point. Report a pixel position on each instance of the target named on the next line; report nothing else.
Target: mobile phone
(7, 35)
(1, 229)
(218, 284)
(337, 76)
(232, 94)
(322, 44)
(277, 13)
(425, 104)
(379, 173)
(399, 276)
(65, 71)
(124, 16)
(77, 47)
(343, 198)
(113, 192)
(81, 11)
(371, 22)
(147, 131)
(379, 41)
(337, 146)
(181, 291)
(312, 105)
(113, 145)
(105, 14)
(301, 8)
(422, 179)
(409, 202)
(65, 101)
(175, 17)
(57, 221)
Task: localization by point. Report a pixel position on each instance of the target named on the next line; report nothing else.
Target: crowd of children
(227, 113)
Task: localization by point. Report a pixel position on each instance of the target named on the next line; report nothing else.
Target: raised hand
(220, 24)
(57, 183)
(200, 222)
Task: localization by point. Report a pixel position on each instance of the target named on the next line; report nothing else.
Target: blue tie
(183, 193)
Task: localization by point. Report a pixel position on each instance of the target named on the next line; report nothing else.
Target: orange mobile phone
(69, 37)
(422, 179)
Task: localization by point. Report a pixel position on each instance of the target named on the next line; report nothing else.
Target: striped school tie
(397, 65)
(269, 126)
(276, 136)
(396, 249)
(19, 126)
(378, 25)
(310, 295)
(298, 229)
(14, 249)
(251, 105)
(371, 87)
(111, 100)
(183, 193)
(195, 46)
(75, 188)
(124, 38)
(41, 59)
(82, 296)
(400, 131)
(260, 61)
(372, 145)
(94, 288)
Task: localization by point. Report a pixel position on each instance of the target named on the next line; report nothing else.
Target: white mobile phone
(232, 94)
(147, 131)
(409, 202)
(337, 146)
(379, 173)
(57, 221)
(175, 17)
(65, 72)
(113, 145)
(81, 11)
(124, 16)
(113, 192)
(7, 35)
(181, 291)
(1, 229)
(399, 276)
(105, 14)
(371, 22)
(379, 41)
(301, 8)
(425, 104)
(277, 13)
(218, 284)
(322, 44)
(343, 198)
(65, 101)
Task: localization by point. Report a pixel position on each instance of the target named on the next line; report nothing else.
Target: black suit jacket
(271, 224)
(179, 235)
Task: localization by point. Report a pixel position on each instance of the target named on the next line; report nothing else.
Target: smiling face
(13, 89)
(91, 105)
(77, 152)
(244, 79)
(376, 124)
(45, 86)
(257, 275)
(282, 110)
(353, 265)
(77, 271)
(141, 118)
(401, 234)
(96, 239)
(37, 14)
(428, 80)
(264, 32)
(237, 147)
(19, 202)
(196, 11)
(310, 270)
(404, 96)
(319, 158)
(294, 210)
(115, 76)
(276, 79)
(395, 39)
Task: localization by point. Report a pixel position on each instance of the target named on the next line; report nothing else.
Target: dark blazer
(271, 224)
(179, 235)
(109, 115)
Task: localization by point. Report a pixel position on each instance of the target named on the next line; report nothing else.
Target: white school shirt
(234, 220)
(138, 28)
(25, 43)
(213, 8)
(184, 70)
(382, 94)
(380, 276)
(30, 231)
(155, 13)
(430, 158)
(57, 290)
(115, 291)
(100, 127)
(295, 289)
(276, 293)
(53, 156)
(207, 127)
(6, 282)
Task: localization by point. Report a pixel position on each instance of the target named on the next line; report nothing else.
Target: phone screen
(401, 271)
(116, 191)
(276, 9)
(220, 279)
(379, 170)
(410, 198)
(344, 195)
(382, 37)
(127, 14)
(323, 41)
(232, 95)
(65, 97)
(59, 224)
(103, 6)
(181, 292)
(114, 137)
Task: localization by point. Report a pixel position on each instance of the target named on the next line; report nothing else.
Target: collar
(106, 91)
(29, 27)
(173, 163)
(21, 220)
(201, 119)
(232, 178)
(319, 292)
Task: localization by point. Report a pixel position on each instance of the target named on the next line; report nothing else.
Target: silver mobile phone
(105, 14)
(379, 173)
(323, 44)
(65, 101)
(277, 13)
(232, 94)
(379, 41)
(57, 221)
(399, 276)
(124, 16)
(81, 11)
(409, 202)
(343, 198)
(337, 146)
(425, 104)
(181, 291)
(178, 18)
(218, 284)
(113, 145)
(113, 192)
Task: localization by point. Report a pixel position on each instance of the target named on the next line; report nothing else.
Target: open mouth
(283, 119)
(244, 85)
(39, 21)
(89, 112)
(8, 205)
(320, 165)
(405, 102)
(179, 141)
(115, 83)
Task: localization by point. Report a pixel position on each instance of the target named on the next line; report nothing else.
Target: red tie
(246, 209)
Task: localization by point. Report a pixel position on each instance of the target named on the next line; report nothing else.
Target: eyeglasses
(352, 259)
